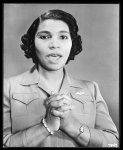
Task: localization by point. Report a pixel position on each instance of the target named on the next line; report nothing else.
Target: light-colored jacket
(24, 107)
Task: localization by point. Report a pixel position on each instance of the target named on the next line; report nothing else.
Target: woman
(45, 107)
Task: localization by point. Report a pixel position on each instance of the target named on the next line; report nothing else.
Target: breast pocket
(24, 103)
(84, 104)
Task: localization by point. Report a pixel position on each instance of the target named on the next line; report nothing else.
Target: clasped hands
(59, 113)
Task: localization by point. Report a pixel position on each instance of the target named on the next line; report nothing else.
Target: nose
(54, 44)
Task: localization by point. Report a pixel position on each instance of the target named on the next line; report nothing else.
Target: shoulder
(89, 85)
(12, 84)
(80, 82)
(14, 79)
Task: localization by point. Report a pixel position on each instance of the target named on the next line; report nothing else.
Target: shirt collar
(33, 77)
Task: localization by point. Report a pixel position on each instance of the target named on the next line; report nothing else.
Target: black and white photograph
(61, 75)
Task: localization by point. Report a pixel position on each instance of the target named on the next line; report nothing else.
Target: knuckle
(58, 96)
(60, 103)
(62, 115)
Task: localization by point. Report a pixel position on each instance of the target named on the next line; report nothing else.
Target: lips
(54, 57)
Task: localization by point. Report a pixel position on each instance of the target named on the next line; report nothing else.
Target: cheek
(40, 47)
(68, 47)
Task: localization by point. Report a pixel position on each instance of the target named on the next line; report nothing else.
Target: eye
(64, 37)
(43, 37)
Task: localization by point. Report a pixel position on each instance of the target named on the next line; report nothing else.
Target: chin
(52, 67)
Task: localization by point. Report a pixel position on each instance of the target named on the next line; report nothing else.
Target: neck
(51, 77)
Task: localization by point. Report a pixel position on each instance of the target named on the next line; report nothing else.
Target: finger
(66, 101)
(54, 97)
(67, 97)
(65, 108)
(57, 113)
(59, 103)
(58, 96)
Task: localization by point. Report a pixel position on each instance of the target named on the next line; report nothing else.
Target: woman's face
(53, 44)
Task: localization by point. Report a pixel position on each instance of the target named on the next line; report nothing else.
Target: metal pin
(80, 93)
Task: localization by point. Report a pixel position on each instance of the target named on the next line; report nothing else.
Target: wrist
(71, 128)
(47, 127)
(79, 132)
(84, 135)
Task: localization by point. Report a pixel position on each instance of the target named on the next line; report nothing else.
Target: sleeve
(105, 133)
(30, 137)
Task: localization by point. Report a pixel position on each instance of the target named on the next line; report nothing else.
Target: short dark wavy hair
(27, 39)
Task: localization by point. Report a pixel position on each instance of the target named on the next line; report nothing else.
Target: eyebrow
(47, 32)
(64, 32)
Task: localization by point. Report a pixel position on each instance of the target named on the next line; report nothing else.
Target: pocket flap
(25, 97)
(82, 98)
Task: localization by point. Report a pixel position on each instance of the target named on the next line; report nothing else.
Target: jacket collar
(30, 77)
(33, 77)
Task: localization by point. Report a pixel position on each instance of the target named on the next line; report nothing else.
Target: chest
(28, 107)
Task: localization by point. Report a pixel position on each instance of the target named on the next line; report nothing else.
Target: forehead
(53, 26)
